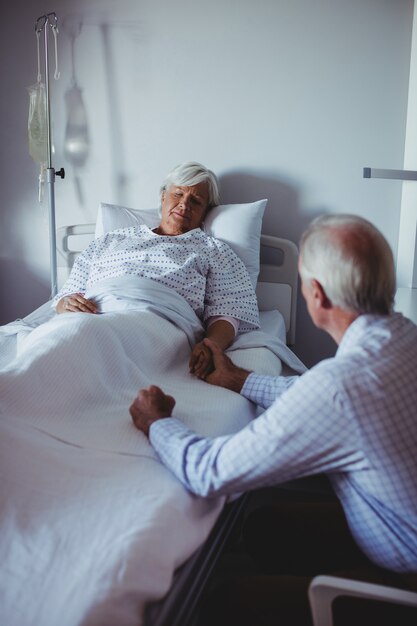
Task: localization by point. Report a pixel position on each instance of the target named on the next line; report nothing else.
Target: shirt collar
(359, 330)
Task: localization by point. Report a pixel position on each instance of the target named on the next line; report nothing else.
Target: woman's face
(183, 208)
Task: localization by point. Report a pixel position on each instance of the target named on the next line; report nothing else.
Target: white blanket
(92, 525)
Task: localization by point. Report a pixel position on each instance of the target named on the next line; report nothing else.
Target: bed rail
(278, 280)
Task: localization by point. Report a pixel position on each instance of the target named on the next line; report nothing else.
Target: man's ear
(319, 295)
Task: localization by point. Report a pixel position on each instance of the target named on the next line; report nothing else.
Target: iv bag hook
(44, 19)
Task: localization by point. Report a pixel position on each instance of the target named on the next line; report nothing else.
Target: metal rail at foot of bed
(179, 606)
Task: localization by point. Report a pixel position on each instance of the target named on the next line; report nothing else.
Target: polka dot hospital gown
(202, 269)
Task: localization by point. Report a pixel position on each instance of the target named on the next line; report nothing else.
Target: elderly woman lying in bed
(180, 256)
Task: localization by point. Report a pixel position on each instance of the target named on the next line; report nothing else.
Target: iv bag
(37, 124)
(77, 144)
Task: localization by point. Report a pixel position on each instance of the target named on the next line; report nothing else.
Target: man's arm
(262, 390)
(303, 433)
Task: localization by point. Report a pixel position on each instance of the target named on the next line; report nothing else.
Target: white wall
(285, 100)
(407, 239)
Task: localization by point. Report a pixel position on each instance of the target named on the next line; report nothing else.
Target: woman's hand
(201, 360)
(75, 303)
(222, 333)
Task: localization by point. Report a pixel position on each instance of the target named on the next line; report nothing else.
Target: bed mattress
(92, 525)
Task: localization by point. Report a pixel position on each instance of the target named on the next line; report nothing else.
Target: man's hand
(225, 373)
(149, 406)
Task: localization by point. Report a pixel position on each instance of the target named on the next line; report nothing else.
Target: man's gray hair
(193, 173)
(352, 261)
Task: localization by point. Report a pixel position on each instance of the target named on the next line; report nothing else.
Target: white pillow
(239, 225)
(112, 216)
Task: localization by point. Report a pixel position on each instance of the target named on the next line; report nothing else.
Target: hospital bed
(94, 530)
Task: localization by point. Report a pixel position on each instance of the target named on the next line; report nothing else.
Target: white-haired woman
(178, 254)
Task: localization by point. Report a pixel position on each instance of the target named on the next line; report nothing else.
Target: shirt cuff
(232, 320)
(247, 386)
(256, 387)
(264, 390)
(170, 439)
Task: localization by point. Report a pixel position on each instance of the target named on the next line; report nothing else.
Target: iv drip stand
(42, 23)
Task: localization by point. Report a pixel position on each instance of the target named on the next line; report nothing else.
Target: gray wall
(285, 100)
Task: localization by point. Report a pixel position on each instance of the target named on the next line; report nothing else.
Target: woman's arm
(222, 333)
(229, 291)
(70, 296)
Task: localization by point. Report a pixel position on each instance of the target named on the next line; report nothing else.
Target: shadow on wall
(29, 291)
(117, 148)
(77, 139)
(283, 218)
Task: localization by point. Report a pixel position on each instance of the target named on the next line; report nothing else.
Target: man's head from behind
(352, 261)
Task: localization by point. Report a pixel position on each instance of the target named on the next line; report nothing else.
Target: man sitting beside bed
(178, 254)
(352, 418)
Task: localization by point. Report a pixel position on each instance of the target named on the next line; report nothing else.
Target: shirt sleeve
(229, 290)
(302, 433)
(264, 390)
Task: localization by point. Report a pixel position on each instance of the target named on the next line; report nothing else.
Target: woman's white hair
(352, 261)
(193, 173)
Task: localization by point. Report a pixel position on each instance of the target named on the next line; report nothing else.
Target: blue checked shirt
(353, 417)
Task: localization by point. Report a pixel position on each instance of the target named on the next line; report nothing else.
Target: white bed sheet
(92, 525)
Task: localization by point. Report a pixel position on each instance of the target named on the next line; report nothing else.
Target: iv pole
(42, 23)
